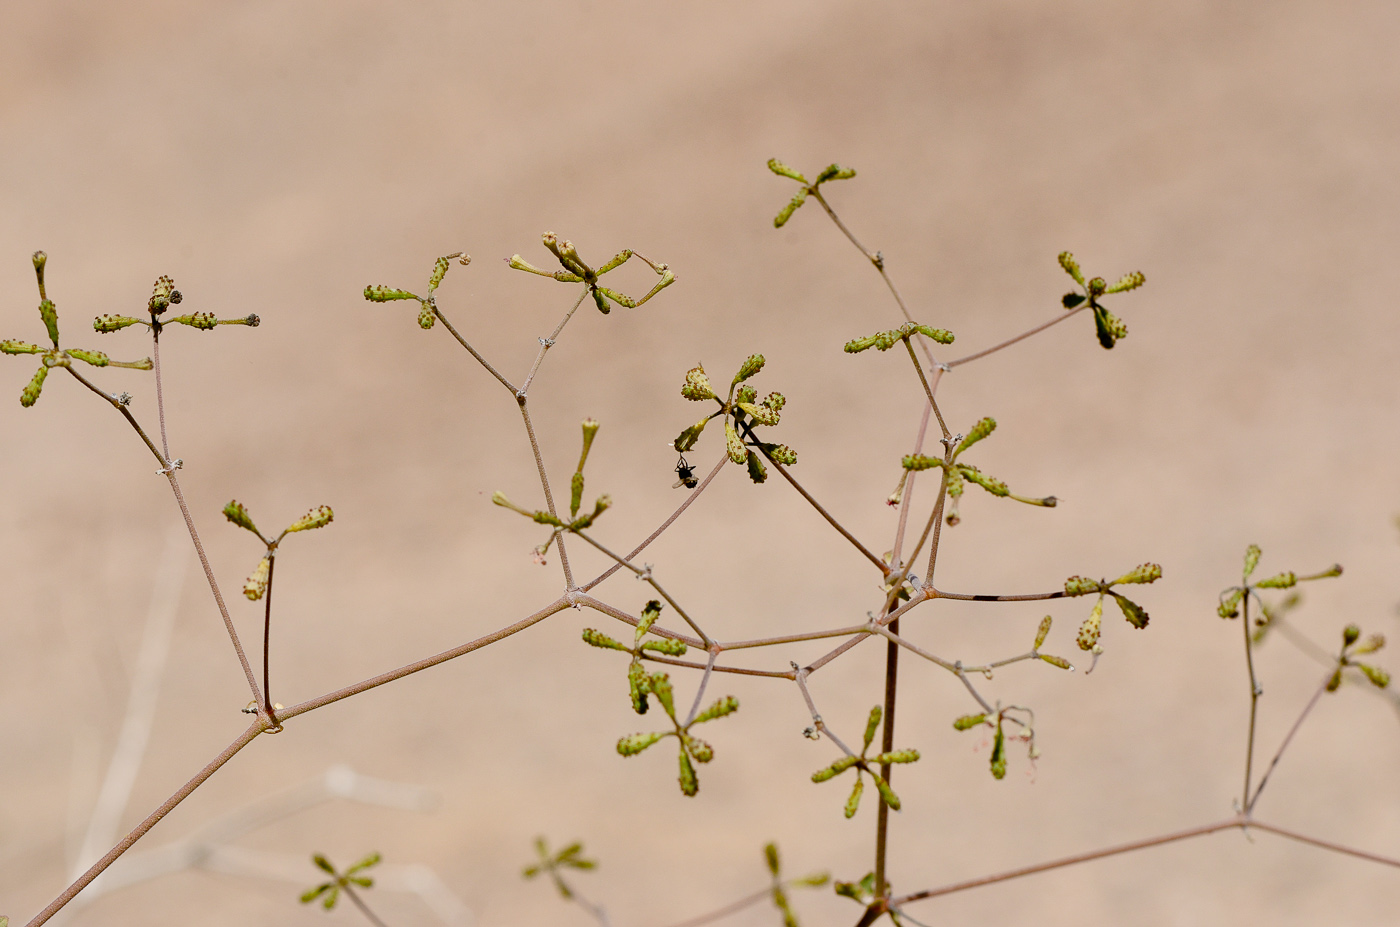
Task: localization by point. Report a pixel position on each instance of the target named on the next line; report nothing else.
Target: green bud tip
(1379, 677)
(751, 365)
(383, 294)
(733, 446)
(1088, 634)
(1071, 267)
(318, 517)
(967, 722)
(1043, 631)
(30, 394)
(697, 385)
(1144, 573)
(1350, 635)
(770, 855)
(257, 583)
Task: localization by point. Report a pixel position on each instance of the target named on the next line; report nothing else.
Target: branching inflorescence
(742, 413)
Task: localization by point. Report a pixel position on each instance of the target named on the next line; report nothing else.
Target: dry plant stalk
(743, 419)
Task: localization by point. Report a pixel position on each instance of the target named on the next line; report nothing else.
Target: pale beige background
(277, 157)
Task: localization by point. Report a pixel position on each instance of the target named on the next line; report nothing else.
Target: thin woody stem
(1021, 337)
(160, 392)
(1071, 860)
(690, 497)
(418, 666)
(800, 677)
(544, 482)
(889, 635)
(547, 343)
(736, 670)
(1254, 694)
(169, 474)
(646, 576)
(791, 638)
(464, 343)
(928, 390)
(1321, 688)
(963, 597)
(882, 819)
(364, 908)
(700, 690)
(732, 908)
(151, 820)
(267, 636)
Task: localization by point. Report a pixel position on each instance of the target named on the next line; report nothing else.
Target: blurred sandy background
(277, 157)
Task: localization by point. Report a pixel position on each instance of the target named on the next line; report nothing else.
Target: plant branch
(481, 360)
(267, 639)
(126, 413)
(409, 669)
(364, 908)
(962, 597)
(1321, 688)
(1254, 694)
(879, 564)
(1021, 337)
(544, 483)
(151, 820)
(690, 497)
(700, 691)
(733, 908)
(547, 343)
(645, 576)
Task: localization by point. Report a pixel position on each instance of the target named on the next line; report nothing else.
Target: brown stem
(320, 701)
(267, 637)
(364, 908)
(882, 820)
(645, 575)
(690, 497)
(544, 482)
(481, 360)
(1021, 337)
(1321, 688)
(547, 343)
(1070, 860)
(1326, 844)
(151, 820)
(126, 413)
(1254, 694)
(741, 904)
(160, 392)
(963, 597)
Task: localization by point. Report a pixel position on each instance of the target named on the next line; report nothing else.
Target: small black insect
(687, 475)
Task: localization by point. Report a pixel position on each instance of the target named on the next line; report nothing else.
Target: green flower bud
(236, 513)
(896, 756)
(599, 639)
(669, 646)
(1096, 286)
(920, 462)
(205, 321)
(1371, 644)
(162, 295)
(1081, 585)
(886, 793)
(733, 446)
(856, 345)
(724, 706)
(782, 454)
(770, 855)
(600, 295)
(751, 365)
(638, 685)
(762, 415)
(49, 313)
(1350, 635)
(835, 172)
(30, 394)
(1135, 613)
(1071, 267)
(384, 294)
(757, 471)
(686, 439)
(853, 803)
(941, 335)
(1089, 631)
(1379, 677)
(318, 517)
(575, 493)
(40, 259)
(967, 722)
(982, 429)
(835, 769)
(426, 317)
(783, 170)
(650, 613)
(112, 323)
(633, 744)
(1230, 605)
(1108, 326)
(1128, 282)
(698, 748)
(786, 212)
(990, 483)
(697, 385)
(1070, 300)
(814, 880)
(872, 725)
(1043, 631)
(1145, 573)
(999, 754)
(1061, 662)
(441, 265)
(1284, 580)
(746, 393)
(19, 347)
(257, 583)
(660, 685)
(1336, 681)
(95, 358)
(689, 784)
